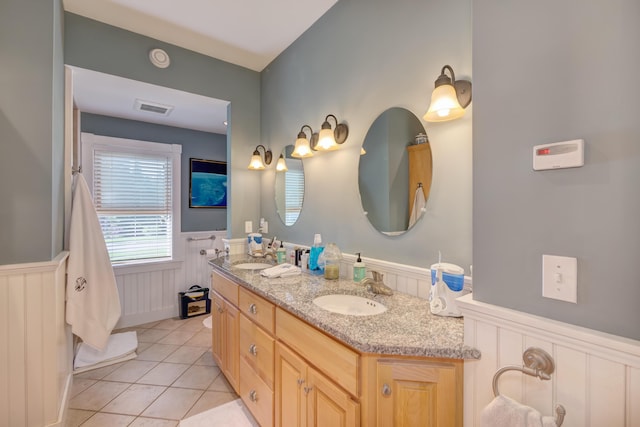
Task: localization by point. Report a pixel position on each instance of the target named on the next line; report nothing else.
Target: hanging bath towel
(418, 206)
(93, 304)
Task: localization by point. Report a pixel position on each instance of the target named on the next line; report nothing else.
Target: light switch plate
(560, 278)
(248, 227)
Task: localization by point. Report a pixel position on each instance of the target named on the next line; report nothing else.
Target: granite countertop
(407, 327)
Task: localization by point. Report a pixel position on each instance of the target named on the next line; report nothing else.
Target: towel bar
(537, 363)
(193, 239)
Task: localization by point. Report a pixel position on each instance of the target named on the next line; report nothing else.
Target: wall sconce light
(302, 148)
(449, 98)
(256, 159)
(328, 139)
(281, 166)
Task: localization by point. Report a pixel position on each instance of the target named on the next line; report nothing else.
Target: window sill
(147, 267)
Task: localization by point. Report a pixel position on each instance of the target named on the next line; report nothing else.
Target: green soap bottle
(359, 270)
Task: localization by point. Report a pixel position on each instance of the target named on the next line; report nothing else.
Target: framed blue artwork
(207, 184)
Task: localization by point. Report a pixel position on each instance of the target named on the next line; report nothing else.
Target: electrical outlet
(560, 278)
(248, 227)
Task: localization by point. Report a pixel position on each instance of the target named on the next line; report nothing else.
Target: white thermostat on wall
(559, 155)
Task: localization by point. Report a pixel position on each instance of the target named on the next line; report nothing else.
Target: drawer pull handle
(386, 390)
(300, 381)
(253, 349)
(253, 395)
(307, 390)
(253, 309)
(220, 310)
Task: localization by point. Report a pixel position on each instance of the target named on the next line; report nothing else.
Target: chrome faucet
(376, 285)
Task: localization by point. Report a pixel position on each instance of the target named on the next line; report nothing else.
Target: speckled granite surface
(406, 328)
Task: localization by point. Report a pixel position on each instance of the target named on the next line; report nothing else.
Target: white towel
(93, 303)
(282, 270)
(506, 412)
(119, 347)
(418, 206)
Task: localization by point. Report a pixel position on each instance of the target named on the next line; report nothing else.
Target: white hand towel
(418, 206)
(505, 412)
(282, 270)
(93, 304)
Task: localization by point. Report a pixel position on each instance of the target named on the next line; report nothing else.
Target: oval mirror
(289, 186)
(395, 171)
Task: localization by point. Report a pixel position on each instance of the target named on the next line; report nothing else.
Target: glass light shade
(256, 162)
(444, 105)
(281, 166)
(302, 149)
(326, 141)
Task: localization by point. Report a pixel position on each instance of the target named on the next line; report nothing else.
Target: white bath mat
(232, 414)
(207, 322)
(120, 347)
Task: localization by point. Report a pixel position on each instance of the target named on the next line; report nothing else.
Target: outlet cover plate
(560, 278)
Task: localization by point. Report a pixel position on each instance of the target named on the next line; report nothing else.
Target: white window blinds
(294, 183)
(133, 197)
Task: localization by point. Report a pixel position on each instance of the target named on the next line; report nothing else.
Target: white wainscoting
(36, 344)
(150, 292)
(597, 375)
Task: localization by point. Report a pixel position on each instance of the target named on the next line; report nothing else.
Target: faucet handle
(377, 276)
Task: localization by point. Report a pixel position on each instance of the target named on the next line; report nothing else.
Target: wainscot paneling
(36, 350)
(149, 292)
(596, 378)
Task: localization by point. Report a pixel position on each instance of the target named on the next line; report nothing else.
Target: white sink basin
(349, 304)
(253, 265)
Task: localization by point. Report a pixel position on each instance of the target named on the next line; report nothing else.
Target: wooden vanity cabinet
(257, 356)
(225, 328)
(305, 397)
(413, 392)
(288, 373)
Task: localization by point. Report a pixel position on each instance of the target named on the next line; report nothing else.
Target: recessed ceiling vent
(153, 107)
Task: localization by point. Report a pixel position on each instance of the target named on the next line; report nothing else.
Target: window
(294, 183)
(135, 195)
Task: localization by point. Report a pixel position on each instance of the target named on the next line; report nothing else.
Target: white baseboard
(142, 318)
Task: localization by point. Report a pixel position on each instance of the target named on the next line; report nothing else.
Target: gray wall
(95, 46)
(361, 58)
(195, 144)
(31, 131)
(544, 72)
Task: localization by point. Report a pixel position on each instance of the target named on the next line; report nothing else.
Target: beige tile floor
(173, 377)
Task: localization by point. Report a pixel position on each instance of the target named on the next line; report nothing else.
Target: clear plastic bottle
(314, 254)
(359, 269)
(281, 254)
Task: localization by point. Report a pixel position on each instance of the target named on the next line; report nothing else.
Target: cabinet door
(217, 328)
(421, 394)
(291, 377)
(329, 405)
(231, 345)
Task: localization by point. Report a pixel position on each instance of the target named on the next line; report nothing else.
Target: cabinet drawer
(225, 287)
(257, 309)
(256, 349)
(256, 395)
(335, 360)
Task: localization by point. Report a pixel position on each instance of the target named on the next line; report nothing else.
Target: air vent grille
(153, 107)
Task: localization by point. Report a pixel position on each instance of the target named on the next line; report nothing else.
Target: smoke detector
(152, 107)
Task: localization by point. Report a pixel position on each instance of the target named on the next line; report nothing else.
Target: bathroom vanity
(296, 364)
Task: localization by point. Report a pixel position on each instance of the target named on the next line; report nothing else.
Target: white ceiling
(249, 33)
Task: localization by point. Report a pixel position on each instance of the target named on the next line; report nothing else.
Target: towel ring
(537, 363)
